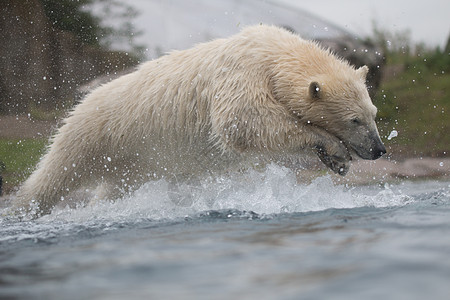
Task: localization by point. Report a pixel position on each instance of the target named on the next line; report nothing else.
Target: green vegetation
(414, 97)
(19, 158)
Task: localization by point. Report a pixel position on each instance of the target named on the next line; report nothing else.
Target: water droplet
(393, 134)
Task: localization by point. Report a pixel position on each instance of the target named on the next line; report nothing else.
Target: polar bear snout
(370, 148)
(378, 149)
(375, 150)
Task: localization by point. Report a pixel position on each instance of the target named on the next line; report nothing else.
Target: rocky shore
(389, 170)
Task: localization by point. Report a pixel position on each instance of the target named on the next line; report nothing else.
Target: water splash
(272, 191)
(250, 195)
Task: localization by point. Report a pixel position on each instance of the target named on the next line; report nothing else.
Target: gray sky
(428, 21)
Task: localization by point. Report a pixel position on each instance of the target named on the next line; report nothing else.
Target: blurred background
(52, 52)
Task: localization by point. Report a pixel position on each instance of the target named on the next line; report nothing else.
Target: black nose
(378, 151)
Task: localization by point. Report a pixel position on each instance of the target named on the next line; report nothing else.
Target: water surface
(254, 235)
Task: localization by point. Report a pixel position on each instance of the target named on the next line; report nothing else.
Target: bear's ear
(314, 90)
(362, 72)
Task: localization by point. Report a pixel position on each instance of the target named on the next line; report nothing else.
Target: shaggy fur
(260, 93)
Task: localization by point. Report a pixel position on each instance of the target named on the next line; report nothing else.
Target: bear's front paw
(339, 163)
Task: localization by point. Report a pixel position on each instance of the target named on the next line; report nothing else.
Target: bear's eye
(356, 121)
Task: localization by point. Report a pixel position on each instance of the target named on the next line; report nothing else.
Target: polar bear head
(340, 104)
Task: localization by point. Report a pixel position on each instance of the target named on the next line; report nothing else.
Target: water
(257, 235)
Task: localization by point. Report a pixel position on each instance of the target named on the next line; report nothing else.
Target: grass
(416, 103)
(18, 159)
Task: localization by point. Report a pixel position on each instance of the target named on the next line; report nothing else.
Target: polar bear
(263, 93)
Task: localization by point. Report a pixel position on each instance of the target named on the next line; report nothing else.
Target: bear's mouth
(358, 151)
(372, 149)
(351, 151)
(374, 152)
